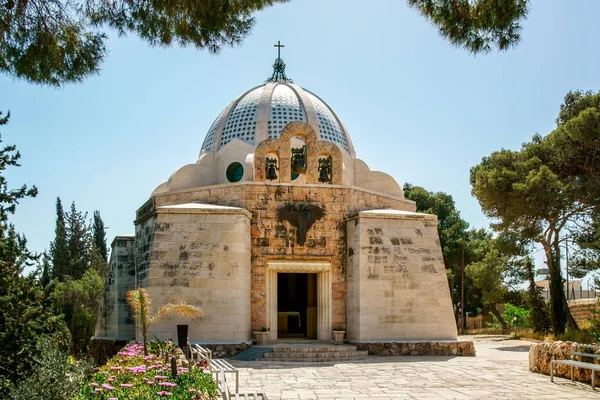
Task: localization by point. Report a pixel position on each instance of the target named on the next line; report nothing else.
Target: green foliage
(516, 317)
(81, 269)
(55, 376)
(99, 235)
(548, 187)
(488, 267)
(540, 318)
(48, 42)
(131, 375)
(25, 309)
(79, 242)
(79, 301)
(59, 250)
(488, 260)
(53, 42)
(161, 348)
(476, 25)
(97, 262)
(203, 24)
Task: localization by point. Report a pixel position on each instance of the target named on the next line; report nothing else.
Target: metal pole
(462, 289)
(567, 265)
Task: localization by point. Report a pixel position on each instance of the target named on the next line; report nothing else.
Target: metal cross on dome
(279, 46)
(279, 67)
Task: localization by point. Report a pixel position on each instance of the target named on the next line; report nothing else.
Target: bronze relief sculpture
(301, 217)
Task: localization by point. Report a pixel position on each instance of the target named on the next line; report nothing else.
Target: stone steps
(314, 349)
(312, 354)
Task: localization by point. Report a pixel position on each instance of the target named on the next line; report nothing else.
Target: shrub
(131, 375)
(521, 314)
(56, 375)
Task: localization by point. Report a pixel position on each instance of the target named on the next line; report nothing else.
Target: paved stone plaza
(500, 371)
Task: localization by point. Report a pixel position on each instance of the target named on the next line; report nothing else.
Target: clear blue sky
(415, 107)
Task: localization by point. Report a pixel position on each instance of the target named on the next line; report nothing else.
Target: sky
(415, 107)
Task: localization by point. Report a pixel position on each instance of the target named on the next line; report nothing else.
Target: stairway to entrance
(312, 353)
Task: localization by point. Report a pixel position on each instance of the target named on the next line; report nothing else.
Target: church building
(279, 226)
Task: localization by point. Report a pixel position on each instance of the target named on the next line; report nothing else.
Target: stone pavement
(500, 371)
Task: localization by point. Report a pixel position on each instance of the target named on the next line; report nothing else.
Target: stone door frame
(324, 295)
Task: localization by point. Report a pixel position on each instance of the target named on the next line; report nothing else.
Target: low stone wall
(101, 349)
(226, 350)
(449, 348)
(581, 309)
(541, 354)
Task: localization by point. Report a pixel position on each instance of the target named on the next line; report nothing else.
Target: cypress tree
(46, 271)
(539, 312)
(59, 250)
(78, 242)
(100, 235)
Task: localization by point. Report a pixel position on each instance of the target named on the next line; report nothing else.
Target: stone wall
(115, 319)
(270, 239)
(397, 282)
(541, 354)
(201, 255)
(144, 238)
(582, 309)
(441, 348)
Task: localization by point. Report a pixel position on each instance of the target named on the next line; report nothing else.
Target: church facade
(278, 226)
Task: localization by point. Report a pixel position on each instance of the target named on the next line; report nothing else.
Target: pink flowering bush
(131, 375)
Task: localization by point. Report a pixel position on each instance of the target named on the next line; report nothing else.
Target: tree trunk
(498, 316)
(569, 320)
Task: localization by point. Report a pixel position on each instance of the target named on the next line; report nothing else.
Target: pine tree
(476, 25)
(100, 235)
(59, 250)
(78, 242)
(53, 42)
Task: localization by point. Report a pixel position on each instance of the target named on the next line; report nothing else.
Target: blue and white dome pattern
(328, 125)
(285, 108)
(241, 122)
(287, 103)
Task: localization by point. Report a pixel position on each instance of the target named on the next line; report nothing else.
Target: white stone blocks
(202, 256)
(397, 284)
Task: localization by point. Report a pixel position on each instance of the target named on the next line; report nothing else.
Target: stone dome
(261, 113)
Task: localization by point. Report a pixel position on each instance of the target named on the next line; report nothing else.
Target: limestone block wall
(144, 239)
(115, 319)
(270, 239)
(200, 254)
(397, 285)
(583, 309)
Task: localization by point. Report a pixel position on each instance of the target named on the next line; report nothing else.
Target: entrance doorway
(297, 305)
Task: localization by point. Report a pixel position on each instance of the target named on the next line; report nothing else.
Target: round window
(235, 172)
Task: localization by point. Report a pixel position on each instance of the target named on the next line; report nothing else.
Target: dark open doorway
(296, 306)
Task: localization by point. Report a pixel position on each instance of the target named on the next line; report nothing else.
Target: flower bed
(131, 375)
